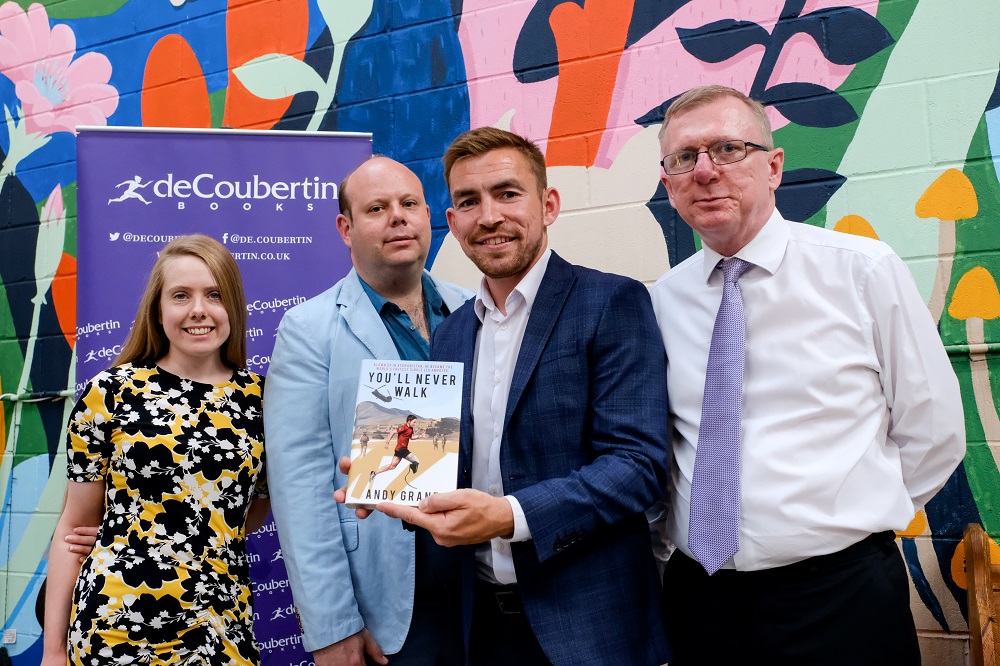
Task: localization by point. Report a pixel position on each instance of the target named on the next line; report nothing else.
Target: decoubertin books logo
(213, 189)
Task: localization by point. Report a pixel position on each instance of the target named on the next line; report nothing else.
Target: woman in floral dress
(166, 454)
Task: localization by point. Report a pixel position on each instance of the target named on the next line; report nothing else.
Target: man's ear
(776, 164)
(668, 187)
(344, 227)
(551, 205)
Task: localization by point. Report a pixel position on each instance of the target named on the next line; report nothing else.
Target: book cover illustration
(404, 446)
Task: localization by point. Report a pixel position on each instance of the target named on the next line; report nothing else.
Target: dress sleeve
(88, 435)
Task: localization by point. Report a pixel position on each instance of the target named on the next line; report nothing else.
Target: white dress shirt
(497, 346)
(852, 416)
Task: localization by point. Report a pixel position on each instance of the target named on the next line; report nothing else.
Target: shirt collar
(765, 250)
(378, 301)
(527, 287)
(432, 297)
(435, 303)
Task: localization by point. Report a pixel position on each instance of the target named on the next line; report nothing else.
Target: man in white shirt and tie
(813, 407)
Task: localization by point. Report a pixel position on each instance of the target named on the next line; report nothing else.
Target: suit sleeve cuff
(521, 531)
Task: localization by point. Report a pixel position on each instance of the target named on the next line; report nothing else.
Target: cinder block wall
(888, 112)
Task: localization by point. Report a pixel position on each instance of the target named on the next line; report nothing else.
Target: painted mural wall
(889, 113)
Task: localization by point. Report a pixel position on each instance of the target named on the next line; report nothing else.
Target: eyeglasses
(721, 152)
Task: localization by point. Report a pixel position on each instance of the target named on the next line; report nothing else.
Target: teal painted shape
(26, 486)
(917, 123)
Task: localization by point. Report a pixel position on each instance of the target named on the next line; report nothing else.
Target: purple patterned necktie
(714, 532)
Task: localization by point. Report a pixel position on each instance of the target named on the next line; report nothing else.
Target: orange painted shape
(64, 297)
(975, 295)
(958, 562)
(856, 225)
(255, 28)
(174, 91)
(917, 526)
(590, 41)
(950, 197)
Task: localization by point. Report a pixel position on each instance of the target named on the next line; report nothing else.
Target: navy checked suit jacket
(584, 451)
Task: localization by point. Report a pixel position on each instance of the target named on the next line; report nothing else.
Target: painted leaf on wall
(255, 28)
(809, 104)
(345, 19)
(803, 192)
(70, 9)
(845, 35)
(174, 91)
(276, 76)
(721, 40)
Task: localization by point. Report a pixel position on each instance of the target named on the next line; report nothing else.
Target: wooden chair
(983, 588)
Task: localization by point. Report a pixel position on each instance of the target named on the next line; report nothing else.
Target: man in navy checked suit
(561, 442)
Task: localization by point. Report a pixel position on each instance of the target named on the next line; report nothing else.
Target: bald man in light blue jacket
(356, 583)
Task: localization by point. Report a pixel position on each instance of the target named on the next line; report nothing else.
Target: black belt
(870, 544)
(506, 597)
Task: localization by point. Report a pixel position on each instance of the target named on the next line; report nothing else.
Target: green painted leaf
(276, 75)
(345, 19)
(71, 9)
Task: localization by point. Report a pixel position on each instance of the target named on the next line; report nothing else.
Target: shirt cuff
(521, 531)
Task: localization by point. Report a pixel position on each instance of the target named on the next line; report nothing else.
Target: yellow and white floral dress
(168, 580)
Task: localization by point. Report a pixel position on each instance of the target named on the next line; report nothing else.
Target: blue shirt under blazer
(584, 451)
(345, 574)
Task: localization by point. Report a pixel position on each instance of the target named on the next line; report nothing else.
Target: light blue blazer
(345, 574)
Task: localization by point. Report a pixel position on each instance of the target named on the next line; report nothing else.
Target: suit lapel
(455, 340)
(360, 315)
(552, 294)
(463, 348)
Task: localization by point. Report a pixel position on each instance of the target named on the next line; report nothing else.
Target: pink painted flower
(56, 92)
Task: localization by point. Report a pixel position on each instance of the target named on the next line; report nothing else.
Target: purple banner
(272, 199)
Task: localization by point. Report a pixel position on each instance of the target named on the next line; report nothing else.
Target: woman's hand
(81, 541)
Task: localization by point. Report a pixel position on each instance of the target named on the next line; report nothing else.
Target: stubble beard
(516, 263)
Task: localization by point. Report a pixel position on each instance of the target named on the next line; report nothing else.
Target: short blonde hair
(148, 343)
(706, 94)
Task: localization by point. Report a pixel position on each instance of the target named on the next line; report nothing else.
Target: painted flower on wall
(56, 92)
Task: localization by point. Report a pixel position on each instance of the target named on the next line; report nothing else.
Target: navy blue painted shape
(721, 40)
(994, 101)
(536, 57)
(647, 15)
(655, 115)
(803, 192)
(948, 513)
(679, 237)
(404, 81)
(809, 104)
(18, 239)
(845, 35)
(920, 583)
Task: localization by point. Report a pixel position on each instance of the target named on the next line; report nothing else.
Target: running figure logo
(131, 193)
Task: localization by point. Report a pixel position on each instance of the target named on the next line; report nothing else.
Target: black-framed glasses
(720, 152)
